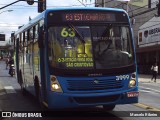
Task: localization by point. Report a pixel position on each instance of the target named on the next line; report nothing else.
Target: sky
(9, 21)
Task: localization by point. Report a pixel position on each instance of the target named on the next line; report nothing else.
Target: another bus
(78, 57)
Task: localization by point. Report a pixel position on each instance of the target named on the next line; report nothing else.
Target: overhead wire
(47, 5)
(78, 5)
(35, 6)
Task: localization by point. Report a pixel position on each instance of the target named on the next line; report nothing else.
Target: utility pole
(41, 5)
(158, 9)
(127, 3)
(103, 3)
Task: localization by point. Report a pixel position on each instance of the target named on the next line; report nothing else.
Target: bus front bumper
(59, 100)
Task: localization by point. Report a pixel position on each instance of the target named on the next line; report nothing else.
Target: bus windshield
(90, 47)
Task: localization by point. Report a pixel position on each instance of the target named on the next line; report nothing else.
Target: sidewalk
(147, 78)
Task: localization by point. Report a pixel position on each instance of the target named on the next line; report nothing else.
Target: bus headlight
(55, 86)
(132, 83)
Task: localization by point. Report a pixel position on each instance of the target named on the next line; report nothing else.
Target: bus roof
(86, 8)
(42, 15)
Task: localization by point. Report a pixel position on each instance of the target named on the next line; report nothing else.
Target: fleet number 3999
(122, 77)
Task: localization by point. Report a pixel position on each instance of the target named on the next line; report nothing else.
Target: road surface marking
(146, 91)
(9, 89)
(149, 89)
(153, 83)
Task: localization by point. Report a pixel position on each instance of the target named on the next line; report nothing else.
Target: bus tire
(23, 91)
(38, 93)
(108, 107)
(37, 88)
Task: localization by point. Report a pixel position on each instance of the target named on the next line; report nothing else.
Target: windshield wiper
(77, 33)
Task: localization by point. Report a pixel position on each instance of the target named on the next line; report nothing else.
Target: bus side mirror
(40, 37)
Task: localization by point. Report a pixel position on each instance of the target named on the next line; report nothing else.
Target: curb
(149, 108)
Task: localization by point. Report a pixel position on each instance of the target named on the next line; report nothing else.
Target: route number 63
(67, 32)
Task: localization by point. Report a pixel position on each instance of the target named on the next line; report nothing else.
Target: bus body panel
(76, 91)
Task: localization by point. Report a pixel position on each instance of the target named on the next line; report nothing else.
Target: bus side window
(36, 59)
(55, 49)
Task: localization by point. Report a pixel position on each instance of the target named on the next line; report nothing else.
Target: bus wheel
(108, 107)
(37, 88)
(24, 92)
(38, 93)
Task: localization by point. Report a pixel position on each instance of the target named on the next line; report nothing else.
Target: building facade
(141, 13)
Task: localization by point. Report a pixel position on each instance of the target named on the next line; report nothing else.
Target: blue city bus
(78, 57)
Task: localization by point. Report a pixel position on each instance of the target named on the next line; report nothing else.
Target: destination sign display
(86, 16)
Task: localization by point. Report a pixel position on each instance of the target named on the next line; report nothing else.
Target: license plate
(132, 94)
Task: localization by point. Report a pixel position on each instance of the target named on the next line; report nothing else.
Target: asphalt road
(11, 100)
(150, 94)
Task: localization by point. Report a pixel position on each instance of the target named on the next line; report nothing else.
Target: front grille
(90, 85)
(102, 99)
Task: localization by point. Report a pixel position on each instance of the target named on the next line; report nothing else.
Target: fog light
(132, 83)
